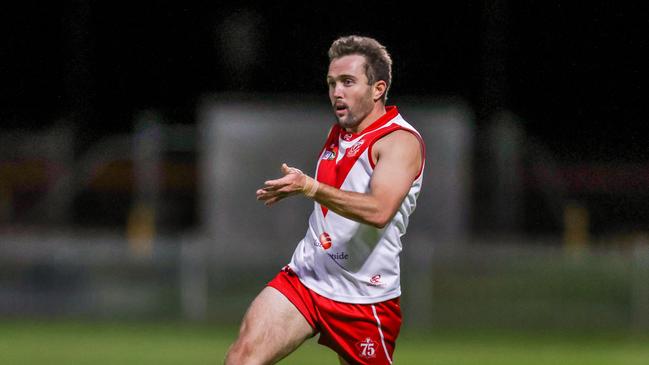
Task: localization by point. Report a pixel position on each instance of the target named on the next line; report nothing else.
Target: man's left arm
(398, 159)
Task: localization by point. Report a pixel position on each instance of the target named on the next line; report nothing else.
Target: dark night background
(573, 72)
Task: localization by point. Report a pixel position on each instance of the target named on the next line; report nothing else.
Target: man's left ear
(379, 89)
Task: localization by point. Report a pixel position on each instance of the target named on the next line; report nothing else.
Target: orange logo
(325, 240)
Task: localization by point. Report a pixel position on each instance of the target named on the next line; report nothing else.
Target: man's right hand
(292, 183)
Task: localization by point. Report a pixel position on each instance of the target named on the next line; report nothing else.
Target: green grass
(96, 343)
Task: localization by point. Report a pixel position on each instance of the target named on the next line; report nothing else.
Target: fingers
(272, 185)
(278, 189)
(271, 197)
(265, 193)
(274, 200)
(268, 192)
(276, 184)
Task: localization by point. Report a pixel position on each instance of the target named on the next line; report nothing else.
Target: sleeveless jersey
(342, 259)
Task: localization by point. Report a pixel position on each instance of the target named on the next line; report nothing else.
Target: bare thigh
(271, 329)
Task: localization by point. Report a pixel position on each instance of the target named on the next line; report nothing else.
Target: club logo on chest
(353, 150)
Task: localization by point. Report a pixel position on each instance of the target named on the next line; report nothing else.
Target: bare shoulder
(400, 141)
(399, 146)
(400, 137)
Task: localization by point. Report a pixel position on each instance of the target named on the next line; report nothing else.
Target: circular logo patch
(325, 240)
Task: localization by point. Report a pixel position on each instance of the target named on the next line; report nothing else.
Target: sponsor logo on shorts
(325, 240)
(353, 150)
(339, 255)
(367, 348)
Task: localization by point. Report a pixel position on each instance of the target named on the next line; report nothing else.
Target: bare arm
(398, 157)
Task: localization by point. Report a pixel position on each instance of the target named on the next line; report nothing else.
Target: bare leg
(271, 329)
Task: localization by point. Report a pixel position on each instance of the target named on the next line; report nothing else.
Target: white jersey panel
(345, 260)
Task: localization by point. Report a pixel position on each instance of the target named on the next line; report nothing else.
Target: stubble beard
(356, 115)
(351, 120)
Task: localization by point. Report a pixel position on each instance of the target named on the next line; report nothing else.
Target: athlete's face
(350, 95)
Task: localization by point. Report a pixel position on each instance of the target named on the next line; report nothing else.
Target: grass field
(99, 343)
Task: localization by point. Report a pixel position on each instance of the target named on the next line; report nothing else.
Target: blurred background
(133, 137)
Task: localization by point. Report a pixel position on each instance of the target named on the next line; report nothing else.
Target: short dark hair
(378, 64)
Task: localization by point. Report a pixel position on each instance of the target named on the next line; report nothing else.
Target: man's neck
(376, 113)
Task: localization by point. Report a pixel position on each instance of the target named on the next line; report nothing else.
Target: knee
(241, 353)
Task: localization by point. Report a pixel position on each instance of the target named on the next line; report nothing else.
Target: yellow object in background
(141, 229)
(576, 220)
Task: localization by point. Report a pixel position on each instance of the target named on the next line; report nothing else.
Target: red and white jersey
(342, 259)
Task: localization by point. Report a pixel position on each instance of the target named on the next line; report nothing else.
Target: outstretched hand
(290, 184)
